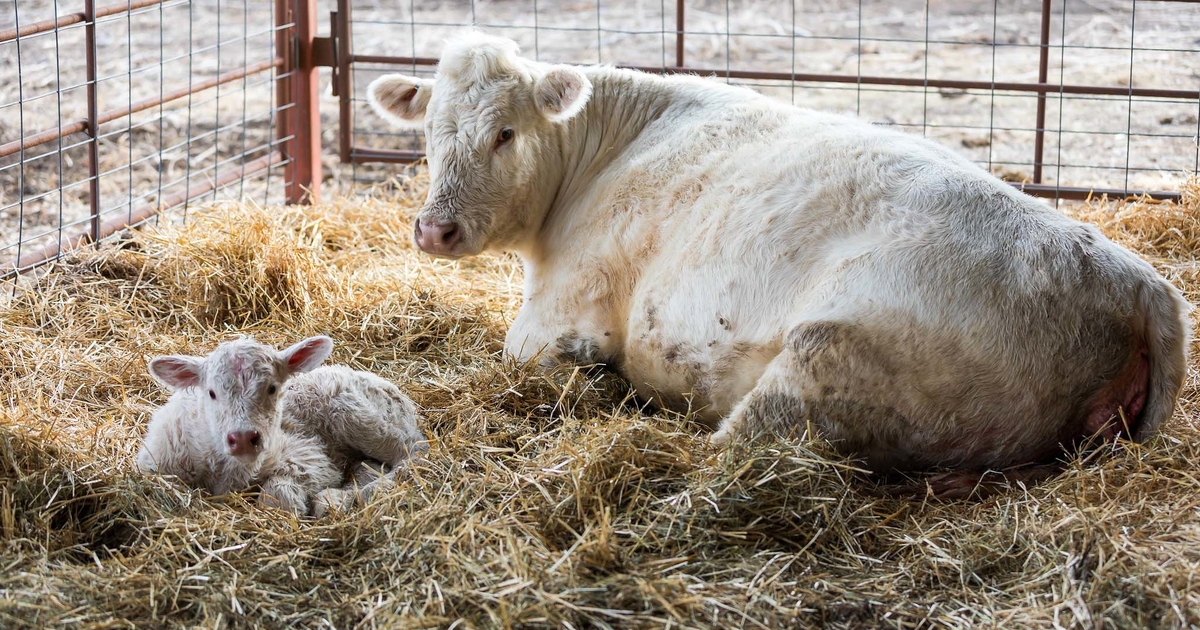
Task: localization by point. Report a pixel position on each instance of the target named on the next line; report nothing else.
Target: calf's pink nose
(437, 237)
(243, 442)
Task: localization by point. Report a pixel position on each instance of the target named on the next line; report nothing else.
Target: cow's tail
(1163, 319)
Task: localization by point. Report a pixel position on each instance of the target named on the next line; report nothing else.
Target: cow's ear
(561, 93)
(306, 355)
(176, 371)
(400, 99)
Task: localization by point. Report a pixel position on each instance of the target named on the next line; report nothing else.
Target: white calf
(247, 415)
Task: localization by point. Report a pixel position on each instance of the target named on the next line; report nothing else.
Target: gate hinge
(324, 52)
(327, 49)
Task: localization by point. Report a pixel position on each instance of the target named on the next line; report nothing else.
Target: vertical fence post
(345, 78)
(1039, 140)
(93, 119)
(679, 32)
(284, 108)
(299, 120)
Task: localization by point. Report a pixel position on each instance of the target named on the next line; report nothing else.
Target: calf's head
(239, 385)
(493, 128)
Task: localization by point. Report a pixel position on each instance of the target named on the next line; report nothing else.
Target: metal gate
(339, 52)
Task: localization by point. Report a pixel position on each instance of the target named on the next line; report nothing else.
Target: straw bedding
(547, 500)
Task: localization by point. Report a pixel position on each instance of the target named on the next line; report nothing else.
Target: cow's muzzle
(244, 445)
(437, 237)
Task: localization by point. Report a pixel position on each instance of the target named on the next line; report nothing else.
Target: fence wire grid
(1065, 96)
(125, 111)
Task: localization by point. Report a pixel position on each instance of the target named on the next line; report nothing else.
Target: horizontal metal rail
(137, 216)
(51, 135)
(43, 26)
(1078, 193)
(360, 155)
(200, 86)
(75, 144)
(387, 59)
(961, 84)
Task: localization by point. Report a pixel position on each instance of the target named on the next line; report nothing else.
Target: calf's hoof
(332, 500)
(382, 483)
(720, 439)
(281, 503)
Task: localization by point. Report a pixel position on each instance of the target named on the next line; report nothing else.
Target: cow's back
(737, 221)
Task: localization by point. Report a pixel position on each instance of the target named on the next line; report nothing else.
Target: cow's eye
(212, 394)
(271, 390)
(505, 135)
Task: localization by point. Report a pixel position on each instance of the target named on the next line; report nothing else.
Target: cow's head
(492, 124)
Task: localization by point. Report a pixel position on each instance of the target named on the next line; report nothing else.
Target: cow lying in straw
(777, 268)
(248, 416)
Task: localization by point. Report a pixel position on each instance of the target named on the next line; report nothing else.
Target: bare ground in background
(995, 130)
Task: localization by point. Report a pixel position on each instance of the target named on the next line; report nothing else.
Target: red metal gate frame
(297, 99)
(342, 58)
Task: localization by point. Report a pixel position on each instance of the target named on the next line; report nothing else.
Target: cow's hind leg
(832, 377)
(966, 484)
(971, 484)
(379, 424)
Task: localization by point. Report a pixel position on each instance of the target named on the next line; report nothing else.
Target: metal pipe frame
(350, 153)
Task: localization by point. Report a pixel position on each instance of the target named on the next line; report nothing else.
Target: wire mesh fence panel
(1065, 96)
(119, 109)
(115, 110)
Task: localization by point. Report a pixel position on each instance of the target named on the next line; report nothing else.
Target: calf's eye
(504, 136)
(212, 394)
(271, 390)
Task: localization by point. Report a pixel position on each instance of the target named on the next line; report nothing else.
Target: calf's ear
(561, 93)
(400, 99)
(176, 371)
(308, 354)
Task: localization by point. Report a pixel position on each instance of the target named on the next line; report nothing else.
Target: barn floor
(547, 501)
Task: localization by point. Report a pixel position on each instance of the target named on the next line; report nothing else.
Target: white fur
(320, 423)
(474, 57)
(411, 117)
(562, 93)
(777, 267)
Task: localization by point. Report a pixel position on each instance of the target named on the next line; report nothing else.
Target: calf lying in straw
(248, 415)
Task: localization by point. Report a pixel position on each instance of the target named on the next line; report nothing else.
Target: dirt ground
(1086, 135)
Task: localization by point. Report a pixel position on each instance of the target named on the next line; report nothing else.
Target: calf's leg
(370, 419)
(285, 493)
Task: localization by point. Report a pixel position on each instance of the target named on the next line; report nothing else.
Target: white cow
(778, 268)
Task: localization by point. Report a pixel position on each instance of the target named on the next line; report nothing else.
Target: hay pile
(548, 500)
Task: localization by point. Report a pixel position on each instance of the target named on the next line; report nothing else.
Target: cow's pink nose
(243, 442)
(437, 237)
